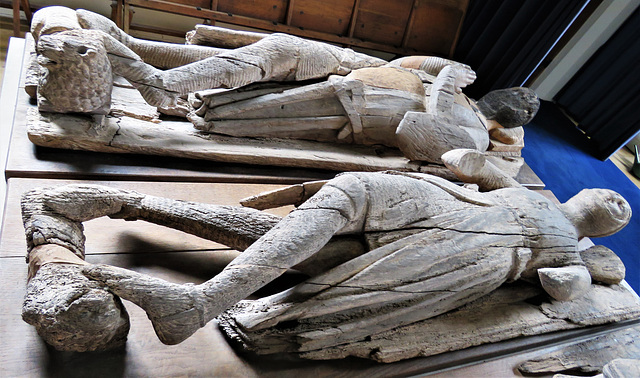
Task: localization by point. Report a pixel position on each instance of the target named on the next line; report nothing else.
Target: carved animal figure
(77, 74)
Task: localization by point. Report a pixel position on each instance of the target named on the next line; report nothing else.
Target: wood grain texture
(590, 355)
(179, 259)
(383, 105)
(462, 239)
(179, 139)
(26, 160)
(377, 27)
(116, 235)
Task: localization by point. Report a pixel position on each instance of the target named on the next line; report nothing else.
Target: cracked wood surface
(374, 100)
(179, 139)
(590, 355)
(27, 160)
(507, 313)
(178, 257)
(444, 245)
(24, 161)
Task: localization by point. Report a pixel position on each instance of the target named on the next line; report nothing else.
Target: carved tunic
(433, 246)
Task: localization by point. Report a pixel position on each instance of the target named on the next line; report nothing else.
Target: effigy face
(420, 272)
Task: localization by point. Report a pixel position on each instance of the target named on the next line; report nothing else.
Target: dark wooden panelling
(434, 28)
(404, 27)
(195, 3)
(273, 10)
(329, 16)
(382, 21)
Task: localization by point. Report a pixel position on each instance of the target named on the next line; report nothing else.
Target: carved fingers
(464, 76)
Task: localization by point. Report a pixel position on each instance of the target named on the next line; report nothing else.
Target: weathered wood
(208, 35)
(292, 195)
(471, 167)
(184, 258)
(109, 236)
(26, 160)
(179, 139)
(620, 368)
(380, 28)
(383, 106)
(590, 355)
(461, 247)
(507, 313)
(605, 266)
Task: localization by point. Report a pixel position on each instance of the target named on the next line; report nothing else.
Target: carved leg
(278, 57)
(471, 166)
(73, 313)
(177, 311)
(69, 311)
(298, 236)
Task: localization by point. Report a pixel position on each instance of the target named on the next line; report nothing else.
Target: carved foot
(174, 309)
(464, 76)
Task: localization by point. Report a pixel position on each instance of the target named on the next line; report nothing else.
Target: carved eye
(82, 50)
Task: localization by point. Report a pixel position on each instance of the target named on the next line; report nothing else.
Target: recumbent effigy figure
(383, 250)
(376, 103)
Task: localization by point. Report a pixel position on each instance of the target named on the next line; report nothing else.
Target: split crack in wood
(110, 144)
(375, 289)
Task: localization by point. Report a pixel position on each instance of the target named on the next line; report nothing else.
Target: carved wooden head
(77, 73)
(597, 212)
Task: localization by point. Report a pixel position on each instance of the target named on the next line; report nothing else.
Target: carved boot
(175, 310)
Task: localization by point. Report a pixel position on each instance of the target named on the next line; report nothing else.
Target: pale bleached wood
(291, 195)
(86, 317)
(622, 367)
(209, 35)
(506, 313)
(459, 248)
(174, 138)
(23, 351)
(32, 74)
(381, 107)
(472, 167)
(605, 266)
